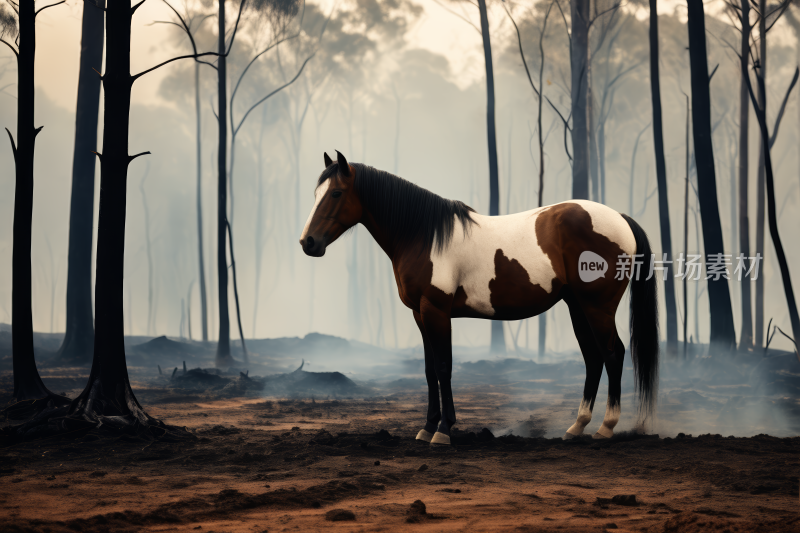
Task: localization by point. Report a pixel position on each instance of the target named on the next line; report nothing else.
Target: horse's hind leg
(594, 367)
(434, 413)
(613, 352)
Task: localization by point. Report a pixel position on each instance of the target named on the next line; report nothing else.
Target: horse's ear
(344, 166)
(328, 160)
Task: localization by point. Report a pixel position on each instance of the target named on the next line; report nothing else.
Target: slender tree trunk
(27, 383)
(224, 344)
(580, 57)
(245, 357)
(259, 239)
(686, 232)
(791, 303)
(148, 248)
(761, 184)
(594, 171)
(722, 335)
(200, 253)
(108, 392)
(498, 343)
(542, 344)
(601, 146)
(78, 342)
(746, 338)
(661, 175)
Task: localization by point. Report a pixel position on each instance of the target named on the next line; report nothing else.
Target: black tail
(644, 326)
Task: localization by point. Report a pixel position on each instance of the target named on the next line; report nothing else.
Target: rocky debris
(199, 378)
(304, 384)
(340, 515)
(416, 512)
(628, 500)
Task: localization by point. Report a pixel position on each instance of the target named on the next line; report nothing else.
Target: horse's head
(336, 208)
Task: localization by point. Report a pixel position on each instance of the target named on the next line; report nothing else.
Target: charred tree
(79, 338)
(20, 28)
(224, 343)
(761, 177)
(498, 343)
(791, 303)
(686, 229)
(579, 58)
(540, 97)
(200, 253)
(661, 176)
(108, 392)
(722, 334)
(746, 337)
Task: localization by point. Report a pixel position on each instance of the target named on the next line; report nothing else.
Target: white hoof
(440, 438)
(424, 435)
(603, 433)
(568, 436)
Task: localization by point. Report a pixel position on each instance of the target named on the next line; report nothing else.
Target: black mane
(409, 212)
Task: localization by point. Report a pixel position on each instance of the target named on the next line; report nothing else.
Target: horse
(451, 262)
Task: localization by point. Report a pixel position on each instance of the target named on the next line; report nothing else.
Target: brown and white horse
(451, 262)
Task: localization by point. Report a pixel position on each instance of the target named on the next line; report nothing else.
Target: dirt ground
(254, 464)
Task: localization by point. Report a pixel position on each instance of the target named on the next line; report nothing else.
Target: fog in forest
(398, 85)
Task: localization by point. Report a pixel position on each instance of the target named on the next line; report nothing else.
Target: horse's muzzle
(313, 247)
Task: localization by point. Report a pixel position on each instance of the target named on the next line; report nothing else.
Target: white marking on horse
(584, 417)
(469, 260)
(610, 420)
(319, 194)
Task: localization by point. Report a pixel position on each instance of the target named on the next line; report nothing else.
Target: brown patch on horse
(512, 294)
(564, 231)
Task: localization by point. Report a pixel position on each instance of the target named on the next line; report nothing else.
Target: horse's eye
(336, 194)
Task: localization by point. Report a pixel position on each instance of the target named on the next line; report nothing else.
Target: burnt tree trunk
(746, 337)
(200, 254)
(498, 343)
(579, 92)
(761, 182)
(661, 176)
(108, 392)
(27, 382)
(791, 303)
(79, 338)
(224, 343)
(722, 334)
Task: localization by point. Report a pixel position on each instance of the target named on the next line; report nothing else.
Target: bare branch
(235, 27)
(254, 59)
(462, 17)
(279, 89)
(521, 52)
(134, 8)
(45, 7)
(132, 157)
(190, 56)
(712, 73)
(783, 108)
(12, 48)
(13, 145)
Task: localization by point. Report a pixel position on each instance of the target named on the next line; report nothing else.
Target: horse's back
(514, 266)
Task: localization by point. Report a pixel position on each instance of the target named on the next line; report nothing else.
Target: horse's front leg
(434, 413)
(436, 321)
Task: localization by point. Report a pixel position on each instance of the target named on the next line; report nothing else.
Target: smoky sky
(378, 92)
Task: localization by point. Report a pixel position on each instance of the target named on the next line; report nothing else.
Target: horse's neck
(380, 234)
